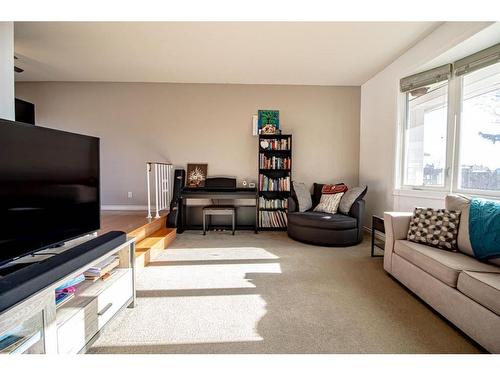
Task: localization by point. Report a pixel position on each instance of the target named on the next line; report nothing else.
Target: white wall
(7, 70)
(182, 123)
(379, 119)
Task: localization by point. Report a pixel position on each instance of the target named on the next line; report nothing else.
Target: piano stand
(202, 193)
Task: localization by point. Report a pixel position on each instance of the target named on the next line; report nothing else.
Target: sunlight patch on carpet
(218, 253)
(187, 320)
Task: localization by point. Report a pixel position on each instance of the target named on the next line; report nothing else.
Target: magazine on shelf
(62, 298)
(102, 268)
(272, 219)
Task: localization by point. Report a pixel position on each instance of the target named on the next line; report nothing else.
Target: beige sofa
(462, 289)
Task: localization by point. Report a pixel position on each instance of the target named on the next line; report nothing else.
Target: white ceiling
(333, 53)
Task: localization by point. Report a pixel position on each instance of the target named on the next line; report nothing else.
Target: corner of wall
(7, 107)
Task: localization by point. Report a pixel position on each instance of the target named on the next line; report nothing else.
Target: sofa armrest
(396, 228)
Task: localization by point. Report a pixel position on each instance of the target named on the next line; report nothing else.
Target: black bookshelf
(274, 173)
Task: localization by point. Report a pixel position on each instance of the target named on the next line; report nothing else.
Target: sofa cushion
(456, 202)
(461, 203)
(482, 287)
(443, 265)
(322, 220)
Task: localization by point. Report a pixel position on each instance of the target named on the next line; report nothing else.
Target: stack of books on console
(103, 269)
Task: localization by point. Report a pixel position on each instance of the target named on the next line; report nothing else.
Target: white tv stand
(41, 327)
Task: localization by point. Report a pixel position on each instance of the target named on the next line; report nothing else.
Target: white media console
(41, 327)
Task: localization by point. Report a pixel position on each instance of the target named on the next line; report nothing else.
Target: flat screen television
(25, 111)
(49, 188)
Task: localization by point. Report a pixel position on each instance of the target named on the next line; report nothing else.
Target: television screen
(49, 187)
(25, 111)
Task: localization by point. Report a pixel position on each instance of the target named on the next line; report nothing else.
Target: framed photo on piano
(196, 175)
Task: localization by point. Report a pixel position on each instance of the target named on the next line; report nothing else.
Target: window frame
(456, 155)
(453, 123)
(403, 139)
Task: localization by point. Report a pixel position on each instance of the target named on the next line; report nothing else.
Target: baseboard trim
(124, 207)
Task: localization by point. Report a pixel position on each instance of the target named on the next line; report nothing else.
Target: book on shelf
(274, 184)
(71, 283)
(62, 298)
(277, 144)
(274, 162)
(102, 268)
(273, 203)
(272, 219)
(13, 343)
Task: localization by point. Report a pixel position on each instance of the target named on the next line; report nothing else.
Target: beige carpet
(266, 293)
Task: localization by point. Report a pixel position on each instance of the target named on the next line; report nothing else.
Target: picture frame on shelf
(268, 118)
(196, 174)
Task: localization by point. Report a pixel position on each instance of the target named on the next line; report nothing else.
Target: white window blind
(479, 60)
(429, 77)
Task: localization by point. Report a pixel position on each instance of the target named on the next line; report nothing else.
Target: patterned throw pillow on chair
(330, 198)
(435, 227)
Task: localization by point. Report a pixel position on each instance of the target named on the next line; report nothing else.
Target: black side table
(377, 225)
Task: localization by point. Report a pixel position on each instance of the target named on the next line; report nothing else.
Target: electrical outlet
(129, 194)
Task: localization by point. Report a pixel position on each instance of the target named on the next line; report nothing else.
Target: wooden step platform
(151, 235)
(147, 229)
(152, 245)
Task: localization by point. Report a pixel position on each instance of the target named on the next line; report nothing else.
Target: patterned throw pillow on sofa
(435, 227)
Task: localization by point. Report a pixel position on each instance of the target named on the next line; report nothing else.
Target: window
(451, 128)
(425, 156)
(479, 150)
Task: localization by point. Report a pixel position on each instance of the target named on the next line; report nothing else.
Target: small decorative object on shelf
(270, 129)
(275, 178)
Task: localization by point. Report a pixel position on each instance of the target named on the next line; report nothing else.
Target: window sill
(419, 193)
(433, 194)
